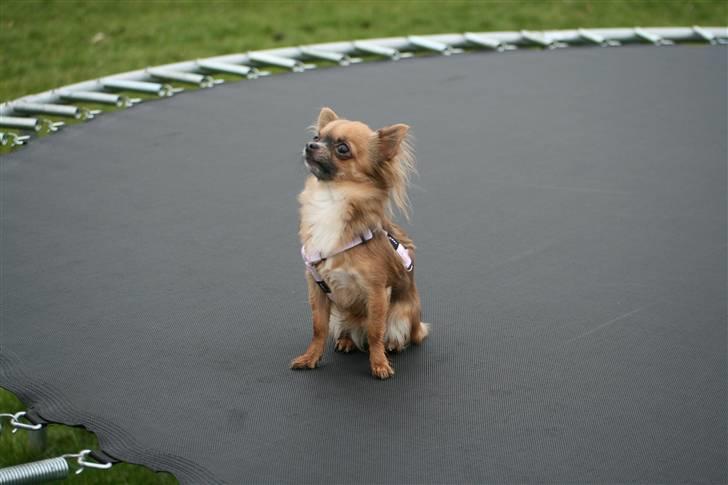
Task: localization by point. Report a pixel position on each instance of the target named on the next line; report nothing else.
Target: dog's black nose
(312, 146)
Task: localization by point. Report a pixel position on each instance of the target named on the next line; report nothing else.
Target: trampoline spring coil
(35, 472)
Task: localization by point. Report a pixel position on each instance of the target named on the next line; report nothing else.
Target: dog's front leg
(377, 307)
(321, 310)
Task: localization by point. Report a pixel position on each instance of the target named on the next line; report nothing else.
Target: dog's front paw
(306, 361)
(382, 370)
(345, 344)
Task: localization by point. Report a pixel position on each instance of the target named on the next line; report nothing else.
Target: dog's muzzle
(313, 147)
(316, 161)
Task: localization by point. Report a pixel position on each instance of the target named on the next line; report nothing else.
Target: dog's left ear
(390, 138)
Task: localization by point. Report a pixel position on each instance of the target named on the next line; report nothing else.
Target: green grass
(46, 44)
(14, 449)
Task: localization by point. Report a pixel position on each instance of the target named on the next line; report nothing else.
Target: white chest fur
(323, 215)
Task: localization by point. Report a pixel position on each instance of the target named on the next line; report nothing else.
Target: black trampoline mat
(570, 218)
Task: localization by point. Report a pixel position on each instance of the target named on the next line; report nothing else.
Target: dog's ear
(325, 117)
(390, 138)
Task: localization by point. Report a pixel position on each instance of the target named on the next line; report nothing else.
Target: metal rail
(200, 72)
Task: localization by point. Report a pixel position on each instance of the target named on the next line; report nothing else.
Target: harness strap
(402, 251)
(312, 260)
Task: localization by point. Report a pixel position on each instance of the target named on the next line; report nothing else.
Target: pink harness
(310, 260)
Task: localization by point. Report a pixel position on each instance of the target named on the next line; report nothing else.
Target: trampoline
(570, 218)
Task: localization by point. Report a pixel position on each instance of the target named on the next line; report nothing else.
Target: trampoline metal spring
(35, 472)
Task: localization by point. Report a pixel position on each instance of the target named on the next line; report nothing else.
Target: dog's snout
(312, 146)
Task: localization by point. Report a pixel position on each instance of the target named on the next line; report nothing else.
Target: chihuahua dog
(360, 263)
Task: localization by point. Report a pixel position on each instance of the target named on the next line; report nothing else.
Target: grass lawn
(47, 44)
(14, 449)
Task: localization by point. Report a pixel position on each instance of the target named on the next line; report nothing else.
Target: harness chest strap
(311, 260)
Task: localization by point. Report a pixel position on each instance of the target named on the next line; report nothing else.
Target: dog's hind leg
(418, 329)
(341, 331)
(345, 344)
(397, 334)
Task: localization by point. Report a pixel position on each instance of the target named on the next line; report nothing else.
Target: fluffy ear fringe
(397, 171)
(404, 168)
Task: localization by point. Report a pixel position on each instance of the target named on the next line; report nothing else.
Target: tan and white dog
(360, 263)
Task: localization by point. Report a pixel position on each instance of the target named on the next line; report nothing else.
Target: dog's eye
(342, 149)
(316, 138)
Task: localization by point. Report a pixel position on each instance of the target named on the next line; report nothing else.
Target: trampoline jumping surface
(570, 218)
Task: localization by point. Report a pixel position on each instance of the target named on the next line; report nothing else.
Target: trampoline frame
(21, 113)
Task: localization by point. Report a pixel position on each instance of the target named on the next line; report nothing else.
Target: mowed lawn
(46, 44)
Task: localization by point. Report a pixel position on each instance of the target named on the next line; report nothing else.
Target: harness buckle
(393, 241)
(322, 284)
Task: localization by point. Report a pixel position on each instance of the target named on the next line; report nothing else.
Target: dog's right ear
(325, 117)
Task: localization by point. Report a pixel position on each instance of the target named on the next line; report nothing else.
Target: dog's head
(349, 152)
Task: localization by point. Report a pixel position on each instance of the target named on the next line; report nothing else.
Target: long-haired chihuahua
(360, 264)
